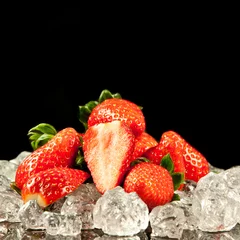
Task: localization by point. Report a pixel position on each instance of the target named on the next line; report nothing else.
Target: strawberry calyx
(41, 134)
(85, 110)
(139, 160)
(80, 162)
(178, 177)
(106, 94)
(14, 187)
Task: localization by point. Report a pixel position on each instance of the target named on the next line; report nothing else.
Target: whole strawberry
(60, 151)
(118, 109)
(108, 149)
(50, 185)
(186, 158)
(196, 164)
(153, 183)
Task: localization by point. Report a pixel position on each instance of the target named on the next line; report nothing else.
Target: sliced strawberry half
(50, 185)
(113, 109)
(108, 149)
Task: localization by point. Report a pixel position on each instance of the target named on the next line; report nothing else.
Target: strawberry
(172, 143)
(60, 151)
(118, 109)
(108, 149)
(185, 157)
(152, 182)
(42, 133)
(48, 186)
(143, 142)
(196, 164)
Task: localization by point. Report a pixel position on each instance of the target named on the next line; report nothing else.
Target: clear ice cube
(82, 202)
(58, 224)
(121, 214)
(167, 221)
(10, 203)
(4, 183)
(212, 205)
(8, 169)
(30, 214)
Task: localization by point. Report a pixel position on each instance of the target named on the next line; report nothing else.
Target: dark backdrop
(184, 83)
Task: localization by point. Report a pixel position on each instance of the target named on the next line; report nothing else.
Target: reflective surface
(15, 231)
(16, 218)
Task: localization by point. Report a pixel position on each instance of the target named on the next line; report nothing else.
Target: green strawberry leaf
(41, 134)
(41, 140)
(176, 197)
(80, 162)
(139, 160)
(178, 179)
(167, 163)
(14, 187)
(85, 111)
(106, 94)
(43, 128)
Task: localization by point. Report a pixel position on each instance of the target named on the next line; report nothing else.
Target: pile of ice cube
(209, 209)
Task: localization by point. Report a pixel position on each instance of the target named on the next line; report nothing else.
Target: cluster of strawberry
(116, 150)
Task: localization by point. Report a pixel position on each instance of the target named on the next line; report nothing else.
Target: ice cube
(8, 169)
(121, 214)
(82, 202)
(58, 224)
(167, 221)
(212, 205)
(30, 214)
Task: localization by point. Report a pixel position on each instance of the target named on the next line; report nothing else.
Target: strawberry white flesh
(108, 149)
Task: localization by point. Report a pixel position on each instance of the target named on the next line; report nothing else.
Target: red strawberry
(172, 143)
(195, 163)
(52, 184)
(118, 109)
(152, 182)
(185, 157)
(60, 151)
(108, 149)
(142, 143)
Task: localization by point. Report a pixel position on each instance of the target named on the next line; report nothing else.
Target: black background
(184, 76)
